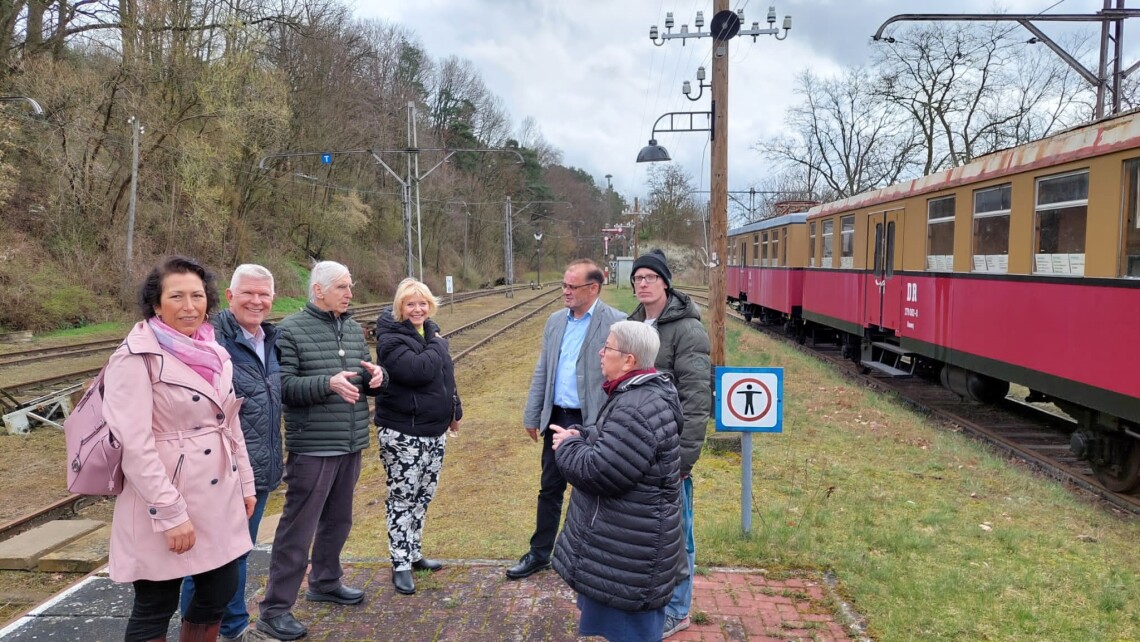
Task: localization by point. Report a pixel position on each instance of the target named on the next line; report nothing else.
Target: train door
(884, 257)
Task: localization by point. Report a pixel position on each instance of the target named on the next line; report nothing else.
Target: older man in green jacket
(326, 371)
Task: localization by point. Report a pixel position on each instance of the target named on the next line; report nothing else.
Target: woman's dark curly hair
(150, 294)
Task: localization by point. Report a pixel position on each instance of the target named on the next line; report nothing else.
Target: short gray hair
(324, 274)
(253, 272)
(637, 339)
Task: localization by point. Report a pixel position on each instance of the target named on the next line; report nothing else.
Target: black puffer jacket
(421, 398)
(621, 543)
(260, 385)
(312, 347)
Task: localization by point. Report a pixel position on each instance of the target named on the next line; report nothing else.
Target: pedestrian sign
(326, 159)
(749, 399)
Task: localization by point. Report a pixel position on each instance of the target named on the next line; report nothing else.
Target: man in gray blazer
(566, 389)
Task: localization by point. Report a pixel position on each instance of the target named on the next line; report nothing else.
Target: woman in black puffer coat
(621, 544)
(413, 415)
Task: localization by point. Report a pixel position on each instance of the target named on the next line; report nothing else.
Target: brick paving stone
(469, 601)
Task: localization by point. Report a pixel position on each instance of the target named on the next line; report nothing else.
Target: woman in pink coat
(189, 487)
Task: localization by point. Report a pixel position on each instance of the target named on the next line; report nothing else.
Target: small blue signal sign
(326, 159)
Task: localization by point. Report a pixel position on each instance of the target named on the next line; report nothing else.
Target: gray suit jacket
(540, 399)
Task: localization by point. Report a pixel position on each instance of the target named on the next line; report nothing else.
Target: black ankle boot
(403, 582)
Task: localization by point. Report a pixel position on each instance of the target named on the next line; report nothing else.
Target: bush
(39, 296)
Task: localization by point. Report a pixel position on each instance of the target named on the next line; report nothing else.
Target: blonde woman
(413, 415)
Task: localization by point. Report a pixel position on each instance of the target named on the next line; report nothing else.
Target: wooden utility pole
(718, 183)
(725, 25)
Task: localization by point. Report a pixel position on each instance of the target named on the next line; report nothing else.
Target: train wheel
(1122, 474)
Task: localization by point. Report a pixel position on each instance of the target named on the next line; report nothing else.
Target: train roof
(1087, 141)
(778, 221)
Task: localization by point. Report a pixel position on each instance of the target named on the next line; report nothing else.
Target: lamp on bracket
(654, 153)
(35, 106)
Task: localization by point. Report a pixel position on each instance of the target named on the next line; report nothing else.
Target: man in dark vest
(251, 341)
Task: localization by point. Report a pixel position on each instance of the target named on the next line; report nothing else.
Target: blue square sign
(326, 159)
(749, 399)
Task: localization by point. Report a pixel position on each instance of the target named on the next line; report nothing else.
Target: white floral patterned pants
(413, 465)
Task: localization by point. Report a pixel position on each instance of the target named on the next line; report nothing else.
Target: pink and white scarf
(197, 351)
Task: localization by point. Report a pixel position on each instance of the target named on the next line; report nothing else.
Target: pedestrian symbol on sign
(749, 399)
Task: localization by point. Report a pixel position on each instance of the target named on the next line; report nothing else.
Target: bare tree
(671, 210)
(843, 140)
(972, 88)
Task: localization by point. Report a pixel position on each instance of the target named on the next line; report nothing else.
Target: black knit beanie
(654, 260)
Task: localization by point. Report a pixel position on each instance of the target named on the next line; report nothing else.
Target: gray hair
(252, 272)
(637, 339)
(324, 274)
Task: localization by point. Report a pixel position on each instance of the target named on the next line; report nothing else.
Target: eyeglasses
(567, 286)
(646, 278)
(606, 347)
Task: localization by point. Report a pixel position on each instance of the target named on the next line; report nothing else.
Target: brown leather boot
(191, 632)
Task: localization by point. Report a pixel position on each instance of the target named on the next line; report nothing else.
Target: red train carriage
(1021, 267)
(766, 269)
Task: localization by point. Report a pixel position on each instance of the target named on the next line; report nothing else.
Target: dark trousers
(552, 486)
(155, 602)
(317, 514)
(235, 619)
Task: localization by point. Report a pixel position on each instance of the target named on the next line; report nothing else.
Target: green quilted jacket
(312, 347)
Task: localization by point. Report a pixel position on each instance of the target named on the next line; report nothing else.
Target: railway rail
(15, 394)
(1027, 432)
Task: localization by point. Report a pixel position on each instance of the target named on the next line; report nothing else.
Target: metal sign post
(749, 400)
(451, 291)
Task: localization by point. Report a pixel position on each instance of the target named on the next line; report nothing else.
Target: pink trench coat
(184, 458)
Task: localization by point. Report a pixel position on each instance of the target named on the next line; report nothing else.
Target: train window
(890, 257)
(775, 258)
(991, 229)
(847, 242)
(940, 234)
(755, 250)
(743, 253)
(811, 244)
(764, 249)
(784, 247)
(825, 255)
(878, 265)
(1130, 257)
(1061, 213)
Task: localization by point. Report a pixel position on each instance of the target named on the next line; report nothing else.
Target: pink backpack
(94, 455)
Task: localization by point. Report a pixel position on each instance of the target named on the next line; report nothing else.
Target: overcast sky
(587, 71)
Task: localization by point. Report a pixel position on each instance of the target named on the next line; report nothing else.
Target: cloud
(587, 72)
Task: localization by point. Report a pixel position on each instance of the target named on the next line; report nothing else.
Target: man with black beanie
(684, 354)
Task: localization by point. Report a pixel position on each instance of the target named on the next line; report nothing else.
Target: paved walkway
(471, 602)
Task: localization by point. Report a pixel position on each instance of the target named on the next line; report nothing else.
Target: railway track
(14, 394)
(1027, 432)
(46, 354)
(462, 341)
(465, 339)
